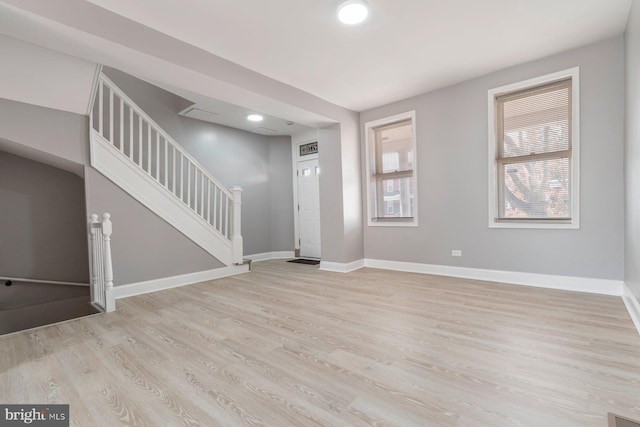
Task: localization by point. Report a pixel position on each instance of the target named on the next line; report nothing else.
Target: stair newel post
(237, 231)
(93, 261)
(107, 229)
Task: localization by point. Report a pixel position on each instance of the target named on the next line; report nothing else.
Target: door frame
(295, 156)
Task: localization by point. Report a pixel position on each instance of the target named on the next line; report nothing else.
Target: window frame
(574, 163)
(372, 220)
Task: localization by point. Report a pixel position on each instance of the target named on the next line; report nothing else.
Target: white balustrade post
(93, 261)
(107, 229)
(237, 231)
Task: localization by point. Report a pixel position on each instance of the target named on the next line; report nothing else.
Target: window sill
(549, 225)
(393, 222)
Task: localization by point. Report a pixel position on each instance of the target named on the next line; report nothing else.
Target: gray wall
(281, 186)
(42, 222)
(453, 172)
(632, 152)
(144, 246)
(331, 220)
(261, 165)
(55, 132)
(352, 193)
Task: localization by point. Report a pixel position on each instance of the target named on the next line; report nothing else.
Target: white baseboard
(339, 267)
(567, 283)
(265, 256)
(139, 288)
(633, 306)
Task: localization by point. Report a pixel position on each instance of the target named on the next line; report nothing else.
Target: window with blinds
(534, 153)
(391, 165)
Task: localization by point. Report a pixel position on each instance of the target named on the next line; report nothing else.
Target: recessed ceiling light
(352, 12)
(255, 117)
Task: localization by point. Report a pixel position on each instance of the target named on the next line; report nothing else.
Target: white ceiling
(211, 110)
(231, 115)
(407, 47)
(65, 86)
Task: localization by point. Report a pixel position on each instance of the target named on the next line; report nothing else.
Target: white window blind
(534, 153)
(391, 177)
(394, 169)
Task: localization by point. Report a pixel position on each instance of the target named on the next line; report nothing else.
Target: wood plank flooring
(289, 345)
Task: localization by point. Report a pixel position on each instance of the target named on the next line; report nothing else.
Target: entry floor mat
(305, 261)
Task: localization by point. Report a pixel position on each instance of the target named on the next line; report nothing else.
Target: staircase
(134, 152)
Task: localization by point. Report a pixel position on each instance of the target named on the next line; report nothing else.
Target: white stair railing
(100, 265)
(127, 128)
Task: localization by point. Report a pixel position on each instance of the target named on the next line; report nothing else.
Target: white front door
(309, 208)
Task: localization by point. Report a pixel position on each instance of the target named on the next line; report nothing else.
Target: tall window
(391, 170)
(533, 148)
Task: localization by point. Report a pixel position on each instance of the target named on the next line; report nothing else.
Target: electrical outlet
(456, 252)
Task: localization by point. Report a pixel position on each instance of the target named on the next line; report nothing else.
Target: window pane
(395, 145)
(398, 197)
(391, 180)
(537, 189)
(536, 122)
(390, 162)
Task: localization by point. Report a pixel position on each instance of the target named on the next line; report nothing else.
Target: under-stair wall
(42, 231)
(133, 151)
(260, 164)
(141, 238)
(144, 246)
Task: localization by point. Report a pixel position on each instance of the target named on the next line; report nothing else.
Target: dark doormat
(305, 261)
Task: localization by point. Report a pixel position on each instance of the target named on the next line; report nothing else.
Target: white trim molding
(633, 306)
(339, 267)
(94, 88)
(566, 283)
(296, 142)
(127, 175)
(370, 165)
(265, 256)
(140, 288)
(574, 223)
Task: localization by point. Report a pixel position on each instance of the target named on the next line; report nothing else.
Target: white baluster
(166, 163)
(195, 189)
(121, 126)
(101, 108)
(189, 182)
(209, 201)
(107, 229)
(181, 176)
(149, 147)
(173, 160)
(111, 138)
(130, 133)
(226, 217)
(202, 177)
(157, 156)
(237, 220)
(93, 262)
(141, 164)
(215, 207)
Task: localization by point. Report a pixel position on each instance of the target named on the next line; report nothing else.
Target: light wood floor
(288, 345)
